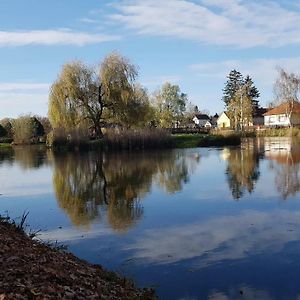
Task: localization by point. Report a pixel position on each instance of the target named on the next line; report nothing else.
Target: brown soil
(32, 270)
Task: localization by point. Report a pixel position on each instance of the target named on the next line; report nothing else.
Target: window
(282, 118)
(271, 119)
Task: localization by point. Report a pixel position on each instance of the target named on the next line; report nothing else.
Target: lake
(202, 223)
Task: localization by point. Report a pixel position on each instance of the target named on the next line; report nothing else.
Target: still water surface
(192, 223)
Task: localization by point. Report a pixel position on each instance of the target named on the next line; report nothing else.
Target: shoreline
(34, 270)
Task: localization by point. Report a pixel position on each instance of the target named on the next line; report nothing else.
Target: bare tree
(287, 90)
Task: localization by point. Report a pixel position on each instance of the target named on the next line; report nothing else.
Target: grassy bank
(33, 270)
(152, 139)
(207, 140)
(5, 145)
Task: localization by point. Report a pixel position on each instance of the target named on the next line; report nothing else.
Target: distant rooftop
(202, 117)
(283, 108)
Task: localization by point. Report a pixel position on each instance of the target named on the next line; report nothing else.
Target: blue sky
(191, 43)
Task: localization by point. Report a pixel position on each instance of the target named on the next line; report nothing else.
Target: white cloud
(15, 104)
(261, 70)
(233, 23)
(219, 239)
(18, 98)
(52, 37)
(15, 86)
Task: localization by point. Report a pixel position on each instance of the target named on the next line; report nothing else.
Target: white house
(223, 121)
(286, 114)
(202, 120)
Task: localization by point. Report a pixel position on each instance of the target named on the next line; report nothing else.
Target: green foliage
(170, 105)
(82, 99)
(24, 130)
(6, 124)
(127, 101)
(235, 83)
(3, 132)
(200, 140)
(74, 98)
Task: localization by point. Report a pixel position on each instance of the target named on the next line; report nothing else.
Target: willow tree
(118, 76)
(76, 98)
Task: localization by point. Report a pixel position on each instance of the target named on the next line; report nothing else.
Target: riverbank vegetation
(34, 270)
(106, 106)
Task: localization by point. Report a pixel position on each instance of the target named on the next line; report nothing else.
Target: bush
(59, 138)
(137, 139)
(6, 124)
(3, 132)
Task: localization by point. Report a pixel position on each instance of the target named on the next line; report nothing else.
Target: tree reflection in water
(88, 184)
(243, 168)
(284, 155)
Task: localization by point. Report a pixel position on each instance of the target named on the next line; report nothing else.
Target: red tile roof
(283, 108)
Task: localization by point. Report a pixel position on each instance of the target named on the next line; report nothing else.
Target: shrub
(73, 139)
(3, 132)
(6, 124)
(137, 139)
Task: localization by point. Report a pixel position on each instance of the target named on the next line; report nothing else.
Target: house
(286, 114)
(223, 121)
(202, 120)
(258, 116)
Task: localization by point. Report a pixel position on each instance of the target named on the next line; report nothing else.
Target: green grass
(5, 145)
(204, 140)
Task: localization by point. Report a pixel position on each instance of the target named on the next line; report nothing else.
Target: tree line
(85, 100)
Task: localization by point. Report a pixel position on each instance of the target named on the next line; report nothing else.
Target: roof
(283, 108)
(202, 117)
(225, 113)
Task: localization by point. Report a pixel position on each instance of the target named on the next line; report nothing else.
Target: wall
(223, 121)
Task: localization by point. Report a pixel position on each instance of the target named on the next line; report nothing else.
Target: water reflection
(29, 157)
(284, 156)
(86, 184)
(242, 168)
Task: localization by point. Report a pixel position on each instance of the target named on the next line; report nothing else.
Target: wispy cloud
(263, 71)
(238, 23)
(15, 86)
(18, 103)
(52, 37)
(219, 239)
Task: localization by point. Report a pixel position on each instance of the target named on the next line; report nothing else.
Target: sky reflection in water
(195, 223)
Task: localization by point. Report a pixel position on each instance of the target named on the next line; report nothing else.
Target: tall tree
(252, 92)
(76, 98)
(170, 103)
(234, 81)
(118, 76)
(240, 108)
